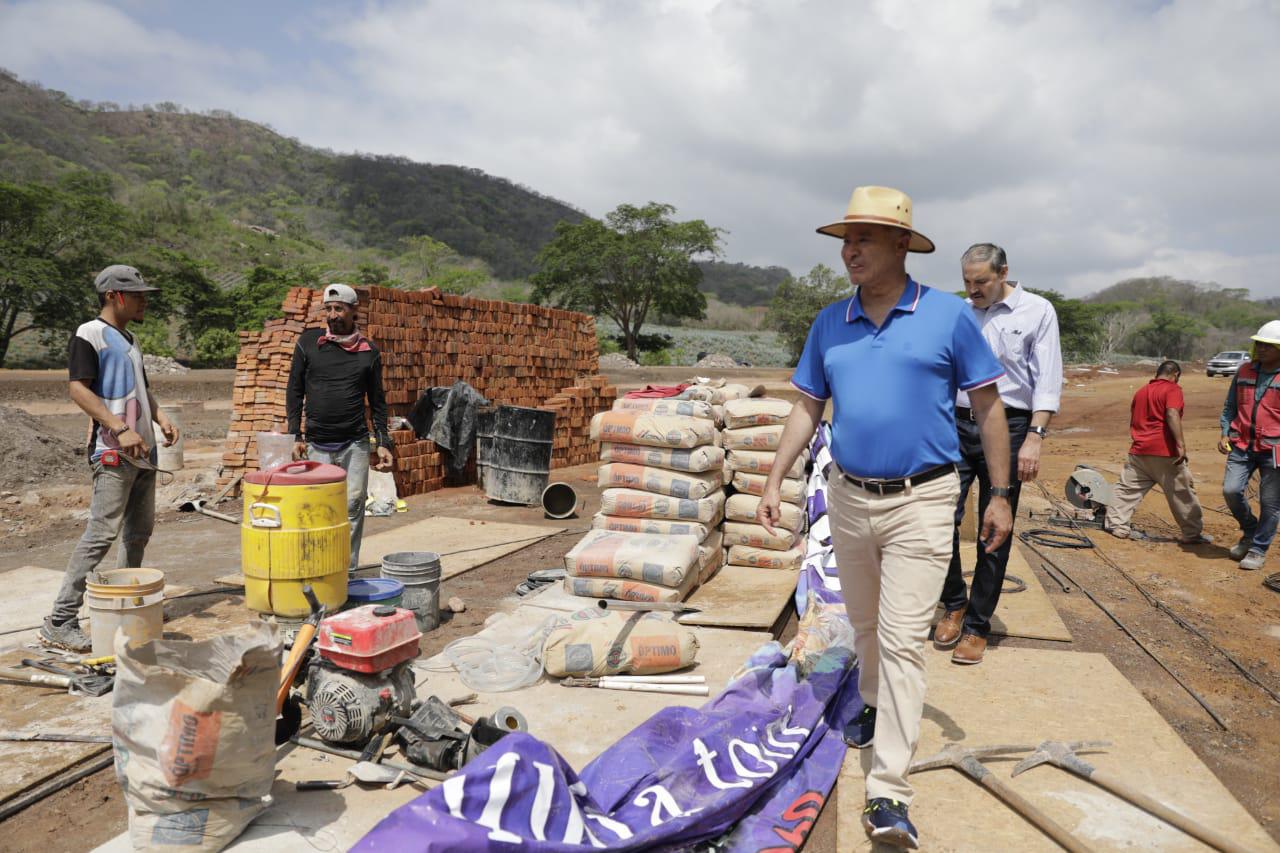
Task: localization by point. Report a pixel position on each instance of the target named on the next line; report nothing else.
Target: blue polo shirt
(894, 387)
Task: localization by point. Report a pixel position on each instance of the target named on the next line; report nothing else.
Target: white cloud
(1092, 139)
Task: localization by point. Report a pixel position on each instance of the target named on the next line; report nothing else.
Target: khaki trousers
(892, 552)
(1143, 472)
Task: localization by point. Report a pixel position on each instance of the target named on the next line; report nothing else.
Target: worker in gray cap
(334, 371)
(109, 384)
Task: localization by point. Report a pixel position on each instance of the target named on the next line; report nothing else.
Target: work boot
(1240, 549)
(1253, 560)
(970, 650)
(65, 636)
(886, 821)
(948, 631)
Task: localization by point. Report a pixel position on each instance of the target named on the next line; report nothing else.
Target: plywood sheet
(1027, 614)
(1026, 696)
(744, 597)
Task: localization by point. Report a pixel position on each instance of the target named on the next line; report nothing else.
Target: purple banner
(749, 770)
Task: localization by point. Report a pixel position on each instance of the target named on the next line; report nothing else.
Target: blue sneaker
(886, 820)
(861, 730)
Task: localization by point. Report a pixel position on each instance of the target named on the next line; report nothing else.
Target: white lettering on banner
(499, 792)
(662, 801)
(453, 790)
(542, 800)
(753, 750)
(616, 827)
(791, 748)
(705, 757)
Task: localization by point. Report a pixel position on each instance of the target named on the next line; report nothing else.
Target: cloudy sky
(1094, 140)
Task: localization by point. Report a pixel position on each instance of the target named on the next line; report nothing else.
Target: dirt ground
(1201, 585)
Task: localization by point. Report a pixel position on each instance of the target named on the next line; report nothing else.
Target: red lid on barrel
(305, 472)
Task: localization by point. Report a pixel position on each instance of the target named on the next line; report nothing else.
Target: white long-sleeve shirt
(1022, 330)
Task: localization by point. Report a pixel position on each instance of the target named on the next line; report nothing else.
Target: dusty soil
(1200, 584)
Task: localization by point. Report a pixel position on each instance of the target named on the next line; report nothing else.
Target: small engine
(362, 676)
(348, 707)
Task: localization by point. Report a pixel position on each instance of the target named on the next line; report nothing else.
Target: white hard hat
(1269, 333)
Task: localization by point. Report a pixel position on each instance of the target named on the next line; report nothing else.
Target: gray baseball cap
(341, 293)
(119, 278)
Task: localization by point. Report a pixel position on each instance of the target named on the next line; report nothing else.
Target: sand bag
(698, 459)
(761, 462)
(791, 491)
(665, 560)
(599, 642)
(765, 558)
(742, 533)
(652, 430)
(666, 407)
(757, 411)
(194, 729)
(630, 502)
(626, 590)
(654, 526)
(743, 508)
(753, 438)
(660, 481)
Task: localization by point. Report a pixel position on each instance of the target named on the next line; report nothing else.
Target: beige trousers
(892, 551)
(1143, 472)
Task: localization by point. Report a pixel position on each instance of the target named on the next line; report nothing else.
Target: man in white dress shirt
(1022, 329)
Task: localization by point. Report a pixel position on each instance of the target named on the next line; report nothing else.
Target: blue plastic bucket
(363, 591)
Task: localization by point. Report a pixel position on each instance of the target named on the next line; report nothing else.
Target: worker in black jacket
(333, 372)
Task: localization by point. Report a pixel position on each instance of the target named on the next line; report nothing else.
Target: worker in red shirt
(1158, 455)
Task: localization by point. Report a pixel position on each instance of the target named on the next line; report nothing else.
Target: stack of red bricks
(512, 353)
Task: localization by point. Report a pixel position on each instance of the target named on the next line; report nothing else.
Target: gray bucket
(419, 571)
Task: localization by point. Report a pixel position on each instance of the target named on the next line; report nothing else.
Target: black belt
(963, 414)
(885, 487)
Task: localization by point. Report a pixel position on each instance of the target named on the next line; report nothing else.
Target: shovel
(363, 771)
(52, 676)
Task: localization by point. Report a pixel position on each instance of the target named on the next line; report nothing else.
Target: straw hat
(880, 206)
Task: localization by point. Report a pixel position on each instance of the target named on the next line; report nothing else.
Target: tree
(639, 260)
(797, 302)
(1169, 335)
(53, 239)
(1079, 327)
(1118, 322)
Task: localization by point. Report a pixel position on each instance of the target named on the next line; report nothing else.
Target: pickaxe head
(951, 754)
(1057, 752)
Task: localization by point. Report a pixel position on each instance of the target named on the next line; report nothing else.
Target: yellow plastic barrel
(295, 532)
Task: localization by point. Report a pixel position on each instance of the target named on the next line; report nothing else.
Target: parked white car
(1226, 363)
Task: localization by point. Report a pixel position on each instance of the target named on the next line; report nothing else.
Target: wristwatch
(1038, 430)
(1000, 491)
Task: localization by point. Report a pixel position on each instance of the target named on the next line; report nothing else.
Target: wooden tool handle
(1024, 807)
(1212, 837)
(35, 677)
(301, 643)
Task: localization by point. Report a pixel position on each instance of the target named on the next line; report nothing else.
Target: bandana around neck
(354, 342)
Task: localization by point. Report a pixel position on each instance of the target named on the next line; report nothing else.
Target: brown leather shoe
(970, 650)
(948, 631)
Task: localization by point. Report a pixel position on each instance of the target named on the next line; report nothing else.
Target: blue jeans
(1240, 467)
(354, 459)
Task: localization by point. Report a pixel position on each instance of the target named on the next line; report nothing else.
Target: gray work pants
(124, 498)
(354, 459)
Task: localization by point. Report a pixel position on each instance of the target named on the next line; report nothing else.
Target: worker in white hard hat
(1250, 438)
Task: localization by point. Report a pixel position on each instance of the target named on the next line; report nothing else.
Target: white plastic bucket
(131, 600)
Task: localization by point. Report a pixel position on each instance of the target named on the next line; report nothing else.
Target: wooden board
(463, 543)
(29, 595)
(744, 597)
(1027, 614)
(1026, 696)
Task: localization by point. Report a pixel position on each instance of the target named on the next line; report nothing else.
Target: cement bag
(765, 558)
(598, 642)
(739, 533)
(757, 411)
(791, 491)
(705, 458)
(626, 590)
(761, 462)
(716, 395)
(753, 438)
(636, 504)
(710, 548)
(743, 508)
(652, 430)
(194, 729)
(665, 560)
(707, 572)
(655, 526)
(666, 407)
(659, 480)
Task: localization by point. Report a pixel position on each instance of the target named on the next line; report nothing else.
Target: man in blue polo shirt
(891, 359)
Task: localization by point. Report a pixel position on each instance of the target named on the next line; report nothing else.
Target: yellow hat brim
(919, 242)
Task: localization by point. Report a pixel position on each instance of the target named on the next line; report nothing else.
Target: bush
(217, 348)
(655, 358)
(606, 343)
(153, 337)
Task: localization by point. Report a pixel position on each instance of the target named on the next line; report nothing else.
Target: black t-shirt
(333, 384)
